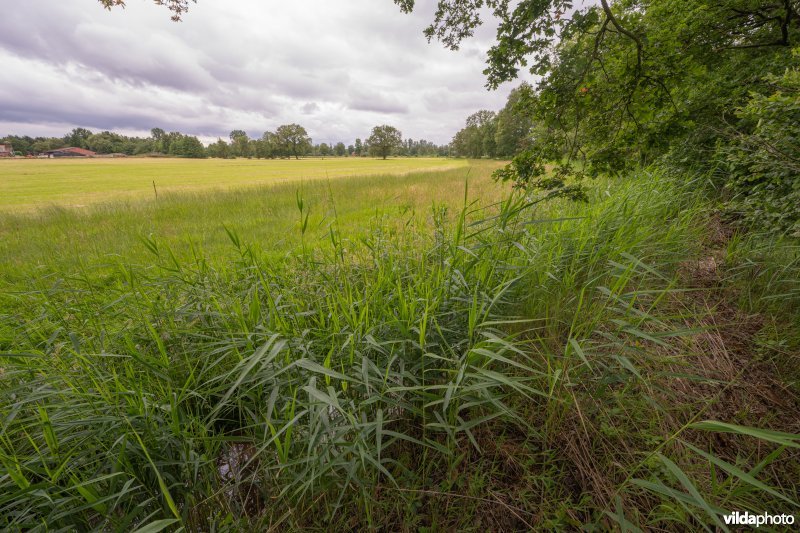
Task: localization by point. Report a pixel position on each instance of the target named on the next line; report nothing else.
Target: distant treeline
(106, 142)
(489, 134)
(291, 140)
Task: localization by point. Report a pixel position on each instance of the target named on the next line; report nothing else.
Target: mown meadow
(434, 351)
(196, 219)
(28, 184)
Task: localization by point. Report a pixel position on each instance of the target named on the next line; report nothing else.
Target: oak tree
(293, 140)
(383, 140)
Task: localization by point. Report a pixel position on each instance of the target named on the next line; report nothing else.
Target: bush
(763, 165)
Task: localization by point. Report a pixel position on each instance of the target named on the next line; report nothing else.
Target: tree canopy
(383, 140)
(293, 140)
(622, 84)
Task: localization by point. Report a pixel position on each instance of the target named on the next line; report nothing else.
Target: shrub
(763, 164)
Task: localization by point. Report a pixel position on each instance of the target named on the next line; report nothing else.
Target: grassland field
(403, 345)
(27, 184)
(43, 230)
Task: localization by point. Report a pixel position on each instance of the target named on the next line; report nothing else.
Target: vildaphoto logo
(757, 520)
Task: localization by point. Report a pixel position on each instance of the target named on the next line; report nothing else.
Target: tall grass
(509, 364)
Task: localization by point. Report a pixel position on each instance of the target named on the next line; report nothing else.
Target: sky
(337, 67)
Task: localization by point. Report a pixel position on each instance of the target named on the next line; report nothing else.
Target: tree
(467, 142)
(533, 33)
(77, 137)
(219, 149)
(340, 149)
(477, 139)
(267, 146)
(240, 144)
(293, 140)
(106, 143)
(628, 82)
(22, 144)
(324, 149)
(484, 123)
(514, 122)
(761, 159)
(526, 30)
(187, 146)
(383, 140)
(142, 146)
(158, 136)
(44, 144)
(168, 140)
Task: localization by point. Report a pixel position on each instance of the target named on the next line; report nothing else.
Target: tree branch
(627, 33)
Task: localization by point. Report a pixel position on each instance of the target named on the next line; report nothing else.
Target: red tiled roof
(73, 150)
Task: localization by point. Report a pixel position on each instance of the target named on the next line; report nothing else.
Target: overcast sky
(338, 67)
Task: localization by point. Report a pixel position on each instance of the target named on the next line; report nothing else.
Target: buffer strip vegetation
(617, 352)
(515, 366)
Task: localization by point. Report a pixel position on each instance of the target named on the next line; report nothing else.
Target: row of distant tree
(486, 134)
(106, 142)
(290, 140)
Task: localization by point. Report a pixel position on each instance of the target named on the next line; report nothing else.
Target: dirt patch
(739, 387)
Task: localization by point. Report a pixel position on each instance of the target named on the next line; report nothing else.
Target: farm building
(6, 150)
(70, 152)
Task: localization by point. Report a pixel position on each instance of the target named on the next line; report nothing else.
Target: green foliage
(384, 140)
(525, 32)
(760, 166)
(187, 146)
(240, 144)
(22, 144)
(219, 149)
(529, 171)
(77, 137)
(514, 123)
(630, 83)
(477, 140)
(291, 140)
(541, 353)
(106, 143)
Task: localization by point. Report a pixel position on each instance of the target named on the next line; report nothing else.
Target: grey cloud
(375, 101)
(250, 64)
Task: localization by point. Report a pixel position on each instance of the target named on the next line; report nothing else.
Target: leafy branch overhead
(628, 83)
(178, 7)
(526, 33)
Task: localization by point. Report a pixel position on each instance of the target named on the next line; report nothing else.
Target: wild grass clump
(510, 367)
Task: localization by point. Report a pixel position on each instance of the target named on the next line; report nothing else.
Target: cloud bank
(336, 67)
